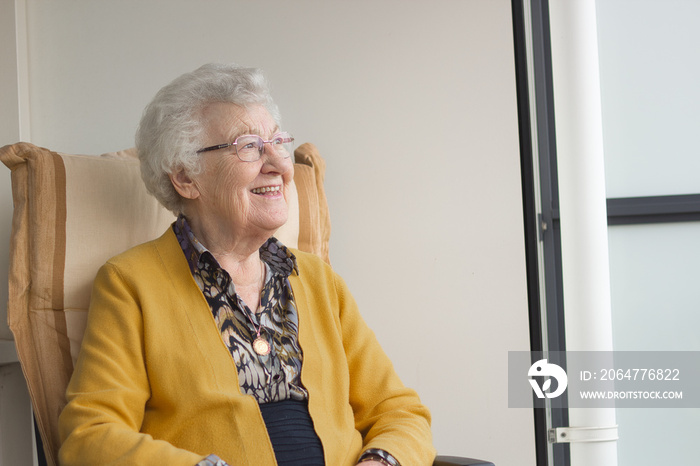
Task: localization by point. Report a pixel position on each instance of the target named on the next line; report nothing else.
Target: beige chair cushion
(71, 214)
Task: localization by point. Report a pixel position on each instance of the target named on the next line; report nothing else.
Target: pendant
(261, 346)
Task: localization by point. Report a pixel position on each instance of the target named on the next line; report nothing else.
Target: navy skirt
(292, 433)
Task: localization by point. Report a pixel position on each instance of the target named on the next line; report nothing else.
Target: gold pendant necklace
(260, 345)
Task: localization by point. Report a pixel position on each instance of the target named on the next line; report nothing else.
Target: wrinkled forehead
(223, 121)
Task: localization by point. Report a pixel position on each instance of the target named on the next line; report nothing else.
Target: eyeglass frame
(260, 151)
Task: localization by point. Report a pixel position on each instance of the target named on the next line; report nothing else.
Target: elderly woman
(216, 344)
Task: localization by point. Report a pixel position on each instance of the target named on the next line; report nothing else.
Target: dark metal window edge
(529, 210)
(653, 209)
(538, 12)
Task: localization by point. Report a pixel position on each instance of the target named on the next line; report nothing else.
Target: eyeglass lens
(250, 148)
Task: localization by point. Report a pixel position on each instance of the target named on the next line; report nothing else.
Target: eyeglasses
(249, 147)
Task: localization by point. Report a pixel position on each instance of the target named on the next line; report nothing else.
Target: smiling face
(231, 196)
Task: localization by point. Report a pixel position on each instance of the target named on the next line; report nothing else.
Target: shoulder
(146, 270)
(307, 260)
(319, 276)
(165, 245)
(313, 269)
(150, 259)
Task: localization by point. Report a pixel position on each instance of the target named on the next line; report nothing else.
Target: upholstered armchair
(72, 213)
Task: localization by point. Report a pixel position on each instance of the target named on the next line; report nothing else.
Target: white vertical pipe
(586, 277)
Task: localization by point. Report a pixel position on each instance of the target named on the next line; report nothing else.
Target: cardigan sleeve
(108, 391)
(389, 415)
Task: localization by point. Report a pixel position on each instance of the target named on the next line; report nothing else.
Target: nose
(275, 162)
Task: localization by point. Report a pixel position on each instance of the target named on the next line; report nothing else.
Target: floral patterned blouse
(271, 377)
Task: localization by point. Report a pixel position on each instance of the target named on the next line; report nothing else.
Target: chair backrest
(71, 214)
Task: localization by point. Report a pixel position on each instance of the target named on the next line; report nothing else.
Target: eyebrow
(254, 133)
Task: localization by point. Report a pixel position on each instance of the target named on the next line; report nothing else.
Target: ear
(184, 185)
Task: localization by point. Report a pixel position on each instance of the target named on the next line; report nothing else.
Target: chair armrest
(459, 461)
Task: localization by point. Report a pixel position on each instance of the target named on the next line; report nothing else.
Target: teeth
(266, 189)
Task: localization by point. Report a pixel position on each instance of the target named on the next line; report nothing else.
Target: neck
(249, 280)
(238, 255)
(232, 243)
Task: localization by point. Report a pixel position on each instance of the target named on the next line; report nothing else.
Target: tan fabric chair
(61, 235)
(71, 214)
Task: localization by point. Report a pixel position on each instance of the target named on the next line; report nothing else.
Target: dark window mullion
(653, 209)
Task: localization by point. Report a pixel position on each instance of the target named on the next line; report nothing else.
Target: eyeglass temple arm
(220, 146)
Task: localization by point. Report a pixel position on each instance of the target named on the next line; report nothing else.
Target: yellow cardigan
(155, 383)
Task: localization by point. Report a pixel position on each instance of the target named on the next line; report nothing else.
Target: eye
(247, 143)
(282, 138)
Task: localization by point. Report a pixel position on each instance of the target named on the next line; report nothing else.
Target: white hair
(171, 131)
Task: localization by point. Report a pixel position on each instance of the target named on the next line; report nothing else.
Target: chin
(274, 224)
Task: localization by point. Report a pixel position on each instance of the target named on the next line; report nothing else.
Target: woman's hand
(371, 463)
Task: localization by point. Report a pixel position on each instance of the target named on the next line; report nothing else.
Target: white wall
(414, 110)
